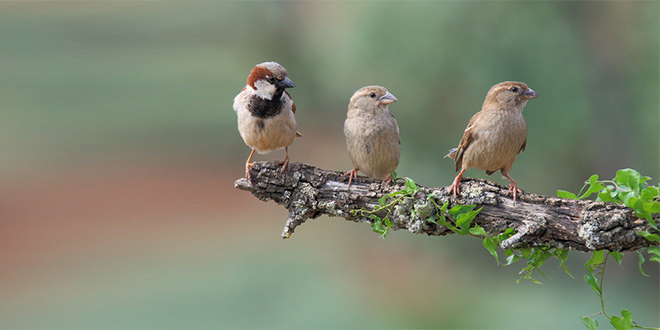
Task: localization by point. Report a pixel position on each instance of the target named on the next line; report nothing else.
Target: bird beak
(285, 83)
(387, 98)
(530, 94)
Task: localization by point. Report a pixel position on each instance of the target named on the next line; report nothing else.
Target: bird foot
(388, 180)
(351, 174)
(248, 167)
(284, 163)
(515, 190)
(513, 187)
(455, 186)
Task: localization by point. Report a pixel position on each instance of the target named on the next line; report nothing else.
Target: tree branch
(309, 192)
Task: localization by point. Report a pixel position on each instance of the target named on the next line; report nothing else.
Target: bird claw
(455, 186)
(512, 187)
(352, 173)
(515, 190)
(248, 167)
(388, 180)
(284, 163)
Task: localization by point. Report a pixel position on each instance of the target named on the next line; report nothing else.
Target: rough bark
(309, 192)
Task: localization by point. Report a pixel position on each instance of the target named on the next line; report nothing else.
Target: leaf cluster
(631, 189)
(628, 187)
(387, 202)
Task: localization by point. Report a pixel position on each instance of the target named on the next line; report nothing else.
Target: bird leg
(512, 187)
(352, 173)
(455, 185)
(285, 162)
(388, 180)
(248, 166)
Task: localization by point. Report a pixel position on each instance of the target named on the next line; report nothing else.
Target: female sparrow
(372, 135)
(495, 135)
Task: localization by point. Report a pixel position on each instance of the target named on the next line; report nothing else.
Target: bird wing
(469, 136)
(397, 126)
(238, 99)
(522, 149)
(293, 105)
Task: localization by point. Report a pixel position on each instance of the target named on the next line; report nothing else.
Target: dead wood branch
(309, 192)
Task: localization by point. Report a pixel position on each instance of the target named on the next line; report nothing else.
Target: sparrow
(495, 135)
(372, 134)
(266, 111)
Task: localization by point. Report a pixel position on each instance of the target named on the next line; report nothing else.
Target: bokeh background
(120, 149)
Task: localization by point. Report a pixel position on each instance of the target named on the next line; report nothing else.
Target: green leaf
(511, 259)
(405, 191)
(595, 260)
(444, 207)
(381, 201)
(627, 315)
(653, 207)
(606, 196)
(388, 225)
(590, 323)
(506, 234)
(458, 209)
(640, 262)
(394, 175)
(591, 279)
(478, 230)
(625, 197)
(566, 194)
(562, 255)
(490, 246)
(567, 272)
(376, 225)
(648, 193)
(617, 256)
(443, 221)
(649, 236)
(622, 323)
(466, 217)
(410, 183)
(629, 178)
(525, 253)
(655, 251)
(594, 186)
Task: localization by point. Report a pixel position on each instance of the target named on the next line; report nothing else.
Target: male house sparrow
(372, 135)
(265, 112)
(495, 135)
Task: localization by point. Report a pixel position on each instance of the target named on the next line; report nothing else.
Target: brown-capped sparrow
(266, 112)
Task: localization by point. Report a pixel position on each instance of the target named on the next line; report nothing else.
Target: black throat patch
(263, 108)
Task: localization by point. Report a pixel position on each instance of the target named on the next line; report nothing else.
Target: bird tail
(451, 154)
(298, 134)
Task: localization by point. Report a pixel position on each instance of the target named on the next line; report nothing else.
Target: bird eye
(271, 79)
(514, 89)
(372, 95)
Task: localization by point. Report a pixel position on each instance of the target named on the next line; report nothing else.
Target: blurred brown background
(120, 149)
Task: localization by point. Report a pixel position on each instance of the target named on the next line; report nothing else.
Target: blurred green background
(120, 149)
